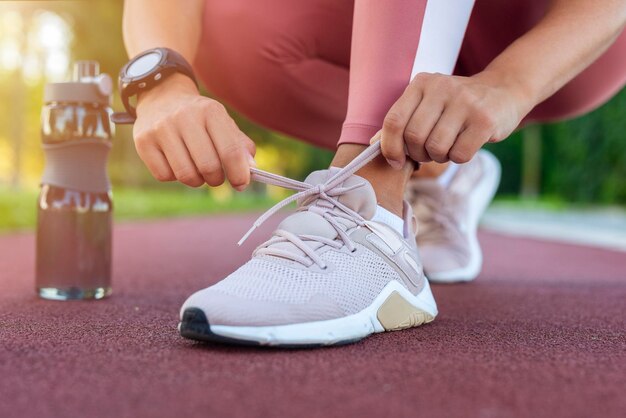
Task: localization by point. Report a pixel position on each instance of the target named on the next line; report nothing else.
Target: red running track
(540, 334)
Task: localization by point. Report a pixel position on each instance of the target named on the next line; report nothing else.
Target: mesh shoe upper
(270, 291)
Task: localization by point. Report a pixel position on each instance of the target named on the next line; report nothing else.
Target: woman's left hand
(448, 118)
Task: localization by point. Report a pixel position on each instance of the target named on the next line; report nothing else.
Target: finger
(396, 120)
(156, 162)
(421, 125)
(376, 137)
(467, 144)
(202, 151)
(445, 132)
(232, 145)
(178, 157)
(251, 147)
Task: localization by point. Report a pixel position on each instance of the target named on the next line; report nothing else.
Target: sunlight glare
(53, 31)
(10, 57)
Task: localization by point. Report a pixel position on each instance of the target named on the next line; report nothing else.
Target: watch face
(143, 64)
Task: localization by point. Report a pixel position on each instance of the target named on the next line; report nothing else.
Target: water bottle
(73, 255)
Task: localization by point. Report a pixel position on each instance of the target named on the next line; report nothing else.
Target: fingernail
(251, 160)
(240, 188)
(395, 164)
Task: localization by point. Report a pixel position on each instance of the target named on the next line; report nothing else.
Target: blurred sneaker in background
(448, 209)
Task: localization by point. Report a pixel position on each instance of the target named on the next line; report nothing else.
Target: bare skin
(445, 118)
(388, 182)
(181, 135)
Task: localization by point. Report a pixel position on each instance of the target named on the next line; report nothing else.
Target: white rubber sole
(479, 201)
(393, 309)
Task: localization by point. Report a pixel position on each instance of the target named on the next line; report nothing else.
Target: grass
(18, 208)
(550, 203)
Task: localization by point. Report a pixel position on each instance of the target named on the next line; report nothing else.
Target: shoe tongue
(304, 222)
(308, 223)
(362, 200)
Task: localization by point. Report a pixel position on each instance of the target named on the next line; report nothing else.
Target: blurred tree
(588, 161)
(531, 162)
(582, 160)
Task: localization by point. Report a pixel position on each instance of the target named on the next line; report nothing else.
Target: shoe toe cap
(222, 308)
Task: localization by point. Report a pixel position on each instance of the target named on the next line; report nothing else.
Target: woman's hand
(448, 118)
(181, 135)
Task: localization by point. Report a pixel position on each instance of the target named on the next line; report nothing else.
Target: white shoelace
(328, 194)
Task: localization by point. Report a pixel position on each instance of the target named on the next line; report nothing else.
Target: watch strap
(173, 62)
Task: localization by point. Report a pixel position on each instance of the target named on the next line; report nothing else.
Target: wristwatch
(145, 71)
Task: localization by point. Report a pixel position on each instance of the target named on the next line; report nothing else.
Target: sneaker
(448, 218)
(328, 274)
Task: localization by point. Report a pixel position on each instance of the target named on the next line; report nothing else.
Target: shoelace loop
(328, 192)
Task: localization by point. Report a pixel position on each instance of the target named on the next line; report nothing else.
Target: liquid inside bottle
(73, 244)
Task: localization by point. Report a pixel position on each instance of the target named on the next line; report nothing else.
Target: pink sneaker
(328, 275)
(448, 218)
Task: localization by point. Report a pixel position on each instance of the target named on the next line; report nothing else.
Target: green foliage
(509, 152)
(18, 208)
(583, 160)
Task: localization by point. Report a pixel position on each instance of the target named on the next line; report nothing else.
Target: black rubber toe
(195, 326)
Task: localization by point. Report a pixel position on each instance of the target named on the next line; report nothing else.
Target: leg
(287, 74)
(283, 64)
(391, 42)
(384, 39)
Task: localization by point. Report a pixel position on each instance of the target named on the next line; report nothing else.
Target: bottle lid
(87, 86)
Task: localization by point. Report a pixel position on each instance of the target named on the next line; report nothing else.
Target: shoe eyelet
(353, 250)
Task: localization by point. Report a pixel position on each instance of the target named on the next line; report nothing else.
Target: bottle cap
(87, 86)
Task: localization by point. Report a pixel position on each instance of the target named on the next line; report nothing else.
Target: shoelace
(329, 193)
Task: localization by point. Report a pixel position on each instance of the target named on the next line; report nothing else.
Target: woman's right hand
(182, 135)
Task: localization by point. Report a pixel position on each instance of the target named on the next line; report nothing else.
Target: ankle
(388, 183)
(431, 170)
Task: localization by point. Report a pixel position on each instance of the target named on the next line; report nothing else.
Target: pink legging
(323, 70)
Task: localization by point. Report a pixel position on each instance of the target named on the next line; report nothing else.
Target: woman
(335, 73)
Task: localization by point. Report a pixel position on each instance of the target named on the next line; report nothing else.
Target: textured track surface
(542, 332)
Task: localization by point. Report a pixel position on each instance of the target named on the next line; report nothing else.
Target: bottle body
(74, 226)
(74, 239)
